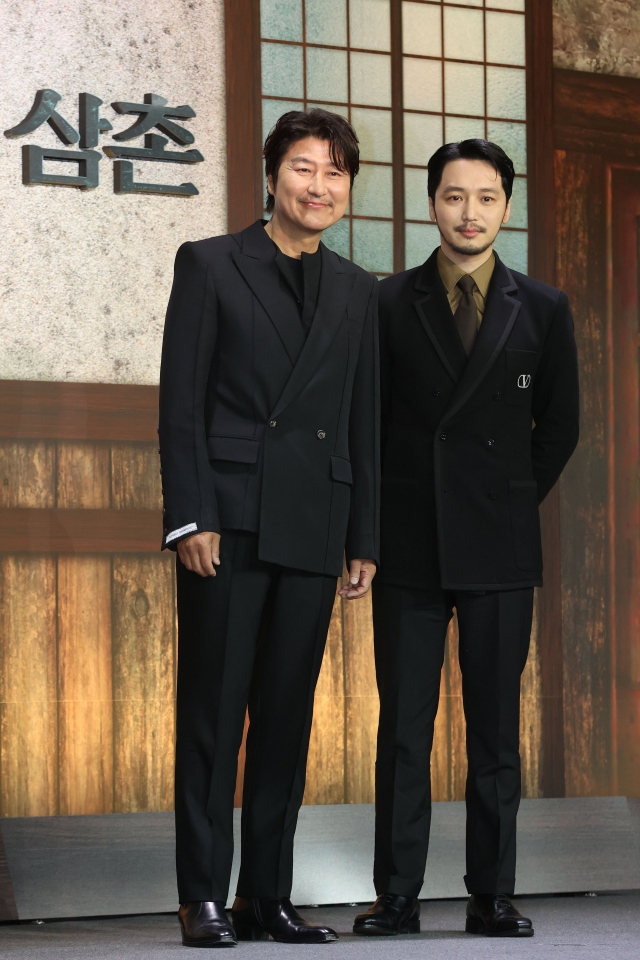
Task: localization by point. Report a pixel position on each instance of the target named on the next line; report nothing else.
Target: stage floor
(606, 927)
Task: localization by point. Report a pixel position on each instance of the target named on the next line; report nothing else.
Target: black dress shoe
(205, 924)
(277, 916)
(390, 914)
(494, 915)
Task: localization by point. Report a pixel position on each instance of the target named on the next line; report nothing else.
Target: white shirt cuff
(189, 528)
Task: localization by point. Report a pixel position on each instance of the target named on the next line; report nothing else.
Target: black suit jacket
(263, 428)
(463, 471)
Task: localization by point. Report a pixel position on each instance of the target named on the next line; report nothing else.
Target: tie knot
(466, 283)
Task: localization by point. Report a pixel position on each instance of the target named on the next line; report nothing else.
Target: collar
(450, 273)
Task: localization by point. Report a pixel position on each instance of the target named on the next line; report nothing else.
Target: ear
(432, 210)
(507, 212)
(270, 186)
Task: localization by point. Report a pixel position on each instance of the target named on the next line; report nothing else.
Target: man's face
(310, 192)
(470, 206)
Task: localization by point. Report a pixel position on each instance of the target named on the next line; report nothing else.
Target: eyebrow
(482, 189)
(302, 159)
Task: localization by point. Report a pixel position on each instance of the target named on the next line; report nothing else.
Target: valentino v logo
(524, 380)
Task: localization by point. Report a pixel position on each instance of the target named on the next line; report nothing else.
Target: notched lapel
(499, 317)
(435, 315)
(257, 264)
(335, 289)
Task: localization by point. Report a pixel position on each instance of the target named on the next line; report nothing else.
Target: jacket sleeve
(363, 537)
(556, 406)
(187, 352)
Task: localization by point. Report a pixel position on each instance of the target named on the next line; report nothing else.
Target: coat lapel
(435, 315)
(335, 289)
(499, 317)
(257, 264)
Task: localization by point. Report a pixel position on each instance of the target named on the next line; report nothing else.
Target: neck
(467, 262)
(292, 239)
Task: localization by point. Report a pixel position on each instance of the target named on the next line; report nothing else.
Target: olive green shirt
(450, 273)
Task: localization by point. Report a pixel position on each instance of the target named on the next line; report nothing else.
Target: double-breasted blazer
(262, 427)
(471, 446)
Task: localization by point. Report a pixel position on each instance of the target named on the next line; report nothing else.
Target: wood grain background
(88, 658)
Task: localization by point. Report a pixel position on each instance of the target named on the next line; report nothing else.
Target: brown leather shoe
(494, 915)
(205, 923)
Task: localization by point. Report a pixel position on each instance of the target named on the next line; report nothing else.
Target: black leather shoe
(390, 914)
(205, 924)
(494, 915)
(278, 917)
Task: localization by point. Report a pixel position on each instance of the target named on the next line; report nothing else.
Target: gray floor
(567, 927)
(125, 863)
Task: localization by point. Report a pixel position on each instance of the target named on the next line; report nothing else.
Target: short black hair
(297, 125)
(483, 150)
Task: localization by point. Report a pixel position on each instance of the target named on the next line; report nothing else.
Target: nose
(317, 185)
(469, 212)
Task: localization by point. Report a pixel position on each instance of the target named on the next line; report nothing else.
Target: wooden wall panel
(362, 704)
(27, 473)
(449, 757)
(83, 476)
(325, 771)
(135, 476)
(143, 682)
(28, 720)
(581, 272)
(84, 685)
(531, 715)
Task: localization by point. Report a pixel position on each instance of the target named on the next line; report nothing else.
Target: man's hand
(361, 573)
(201, 553)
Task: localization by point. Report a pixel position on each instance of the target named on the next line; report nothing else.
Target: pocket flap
(238, 449)
(341, 469)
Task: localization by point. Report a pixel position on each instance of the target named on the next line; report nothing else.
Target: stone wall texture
(86, 274)
(598, 36)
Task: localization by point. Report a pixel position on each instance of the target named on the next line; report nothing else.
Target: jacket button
(320, 434)
(272, 423)
(443, 436)
(492, 496)
(497, 396)
(491, 442)
(436, 393)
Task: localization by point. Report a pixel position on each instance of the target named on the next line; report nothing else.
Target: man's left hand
(361, 573)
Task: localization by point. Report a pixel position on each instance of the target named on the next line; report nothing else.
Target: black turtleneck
(303, 278)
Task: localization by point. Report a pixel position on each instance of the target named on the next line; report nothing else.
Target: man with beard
(471, 354)
(269, 448)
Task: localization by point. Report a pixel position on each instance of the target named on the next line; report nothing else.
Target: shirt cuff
(180, 532)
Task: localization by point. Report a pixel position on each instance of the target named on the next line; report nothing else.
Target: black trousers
(253, 635)
(410, 631)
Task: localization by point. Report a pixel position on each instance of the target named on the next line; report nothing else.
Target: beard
(470, 249)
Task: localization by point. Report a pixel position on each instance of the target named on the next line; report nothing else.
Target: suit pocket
(237, 449)
(341, 470)
(521, 368)
(525, 524)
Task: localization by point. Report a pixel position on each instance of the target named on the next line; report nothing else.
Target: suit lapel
(499, 317)
(335, 288)
(435, 316)
(257, 264)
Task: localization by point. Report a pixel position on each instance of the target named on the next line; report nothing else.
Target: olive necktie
(466, 316)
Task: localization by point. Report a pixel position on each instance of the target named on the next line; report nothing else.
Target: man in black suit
(269, 449)
(471, 354)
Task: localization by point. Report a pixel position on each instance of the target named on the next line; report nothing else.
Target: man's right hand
(201, 553)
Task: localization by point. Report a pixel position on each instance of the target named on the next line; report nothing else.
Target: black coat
(260, 428)
(463, 471)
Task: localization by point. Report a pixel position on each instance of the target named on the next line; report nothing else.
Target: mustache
(326, 199)
(466, 226)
